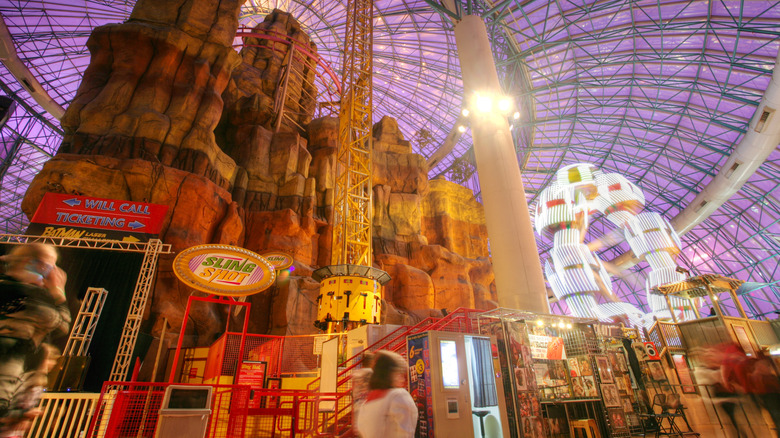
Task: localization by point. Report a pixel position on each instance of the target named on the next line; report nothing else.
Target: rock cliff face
(169, 113)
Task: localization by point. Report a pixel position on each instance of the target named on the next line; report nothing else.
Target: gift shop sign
(60, 213)
(223, 270)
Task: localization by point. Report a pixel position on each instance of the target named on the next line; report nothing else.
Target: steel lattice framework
(658, 90)
(124, 352)
(352, 204)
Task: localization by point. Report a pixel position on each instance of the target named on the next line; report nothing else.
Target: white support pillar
(518, 270)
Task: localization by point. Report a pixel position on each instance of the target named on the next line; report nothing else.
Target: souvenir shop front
(566, 376)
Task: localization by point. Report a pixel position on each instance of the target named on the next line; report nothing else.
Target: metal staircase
(340, 420)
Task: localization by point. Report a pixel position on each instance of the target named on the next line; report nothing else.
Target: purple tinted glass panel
(659, 91)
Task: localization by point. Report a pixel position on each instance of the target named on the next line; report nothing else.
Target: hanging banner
(420, 385)
(223, 270)
(547, 347)
(85, 217)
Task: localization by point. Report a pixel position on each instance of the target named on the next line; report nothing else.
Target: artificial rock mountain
(168, 112)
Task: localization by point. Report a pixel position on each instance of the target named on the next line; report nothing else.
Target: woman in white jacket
(389, 411)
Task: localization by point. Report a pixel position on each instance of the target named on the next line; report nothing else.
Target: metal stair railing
(460, 320)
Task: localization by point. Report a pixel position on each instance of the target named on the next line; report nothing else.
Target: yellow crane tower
(350, 288)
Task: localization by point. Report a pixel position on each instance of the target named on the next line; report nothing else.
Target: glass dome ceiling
(660, 91)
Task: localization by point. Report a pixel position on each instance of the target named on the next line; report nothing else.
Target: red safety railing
(132, 409)
(461, 320)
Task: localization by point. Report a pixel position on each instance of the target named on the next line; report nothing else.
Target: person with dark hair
(33, 306)
(389, 410)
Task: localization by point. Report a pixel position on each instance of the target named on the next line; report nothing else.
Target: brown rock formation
(152, 89)
(148, 124)
(453, 218)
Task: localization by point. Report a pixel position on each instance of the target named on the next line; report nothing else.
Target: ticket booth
(455, 382)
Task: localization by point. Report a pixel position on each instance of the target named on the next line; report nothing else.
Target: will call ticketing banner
(73, 216)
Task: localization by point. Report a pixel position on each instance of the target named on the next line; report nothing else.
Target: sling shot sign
(223, 270)
(73, 216)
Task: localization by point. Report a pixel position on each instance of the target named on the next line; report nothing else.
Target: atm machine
(455, 381)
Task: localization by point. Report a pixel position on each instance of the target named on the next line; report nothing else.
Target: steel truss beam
(352, 217)
(135, 314)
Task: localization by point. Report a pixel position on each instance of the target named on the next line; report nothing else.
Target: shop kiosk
(456, 384)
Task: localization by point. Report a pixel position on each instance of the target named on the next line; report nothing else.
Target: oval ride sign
(278, 260)
(223, 270)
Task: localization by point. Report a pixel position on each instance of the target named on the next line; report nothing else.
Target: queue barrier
(133, 409)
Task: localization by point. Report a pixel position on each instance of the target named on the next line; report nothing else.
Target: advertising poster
(574, 367)
(744, 340)
(547, 347)
(252, 373)
(420, 383)
(605, 372)
(684, 373)
(525, 393)
(496, 328)
(617, 419)
(656, 370)
(542, 374)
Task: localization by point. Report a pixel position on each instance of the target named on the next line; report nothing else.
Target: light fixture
(568, 326)
(461, 129)
(539, 323)
(465, 112)
(516, 115)
(505, 105)
(483, 103)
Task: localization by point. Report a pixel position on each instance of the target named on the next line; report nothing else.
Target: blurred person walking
(722, 395)
(389, 410)
(360, 386)
(764, 387)
(33, 307)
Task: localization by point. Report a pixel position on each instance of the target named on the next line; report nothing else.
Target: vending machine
(456, 384)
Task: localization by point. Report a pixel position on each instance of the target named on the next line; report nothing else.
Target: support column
(737, 303)
(518, 270)
(714, 301)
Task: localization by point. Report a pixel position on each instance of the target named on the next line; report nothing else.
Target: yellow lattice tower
(350, 289)
(352, 227)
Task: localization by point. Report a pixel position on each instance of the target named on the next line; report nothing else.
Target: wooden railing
(64, 415)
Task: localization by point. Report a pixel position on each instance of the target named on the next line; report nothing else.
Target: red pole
(243, 341)
(181, 339)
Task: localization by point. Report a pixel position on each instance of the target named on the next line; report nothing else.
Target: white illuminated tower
(653, 239)
(574, 272)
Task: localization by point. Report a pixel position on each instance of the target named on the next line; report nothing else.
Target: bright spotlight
(504, 105)
(483, 104)
(516, 115)
(539, 323)
(465, 112)
(461, 129)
